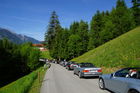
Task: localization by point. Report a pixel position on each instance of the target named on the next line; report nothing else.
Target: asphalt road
(59, 80)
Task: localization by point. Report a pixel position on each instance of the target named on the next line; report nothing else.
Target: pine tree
(106, 32)
(122, 19)
(50, 36)
(52, 29)
(95, 28)
(74, 28)
(74, 46)
(62, 45)
(136, 11)
(83, 33)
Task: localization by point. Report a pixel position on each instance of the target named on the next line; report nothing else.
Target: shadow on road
(90, 77)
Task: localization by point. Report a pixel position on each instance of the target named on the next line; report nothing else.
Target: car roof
(132, 68)
(86, 63)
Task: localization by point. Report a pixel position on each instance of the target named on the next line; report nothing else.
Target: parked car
(62, 63)
(65, 63)
(69, 65)
(126, 80)
(73, 65)
(87, 70)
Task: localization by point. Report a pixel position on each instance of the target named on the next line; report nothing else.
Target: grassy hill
(123, 51)
(45, 54)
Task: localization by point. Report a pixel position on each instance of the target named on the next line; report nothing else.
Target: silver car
(126, 80)
(87, 70)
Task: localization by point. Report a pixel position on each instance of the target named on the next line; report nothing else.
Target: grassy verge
(21, 85)
(24, 84)
(38, 82)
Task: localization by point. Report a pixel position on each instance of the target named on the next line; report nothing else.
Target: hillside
(123, 51)
(45, 54)
(16, 38)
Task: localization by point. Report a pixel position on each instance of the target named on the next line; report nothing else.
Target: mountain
(124, 51)
(16, 38)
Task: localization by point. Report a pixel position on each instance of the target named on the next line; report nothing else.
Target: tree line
(16, 60)
(80, 37)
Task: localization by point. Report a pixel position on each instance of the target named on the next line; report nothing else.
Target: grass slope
(22, 85)
(45, 54)
(123, 51)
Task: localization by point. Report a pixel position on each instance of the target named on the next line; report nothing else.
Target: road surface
(59, 80)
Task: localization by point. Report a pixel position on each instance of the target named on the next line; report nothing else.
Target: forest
(80, 37)
(17, 60)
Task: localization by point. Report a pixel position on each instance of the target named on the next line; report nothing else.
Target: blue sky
(31, 17)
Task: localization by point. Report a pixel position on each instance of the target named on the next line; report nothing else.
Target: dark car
(126, 80)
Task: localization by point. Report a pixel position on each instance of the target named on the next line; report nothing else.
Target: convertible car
(87, 70)
(126, 80)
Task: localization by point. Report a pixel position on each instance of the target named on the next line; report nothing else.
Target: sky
(31, 17)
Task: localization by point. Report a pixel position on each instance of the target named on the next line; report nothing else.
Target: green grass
(38, 82)
(45, 54)
(123, 51)
(21, 85)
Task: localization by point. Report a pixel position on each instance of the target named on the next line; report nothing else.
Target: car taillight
(85, 71)
(100, 70)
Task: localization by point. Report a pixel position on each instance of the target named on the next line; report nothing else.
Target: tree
(136, 11)
(95, 28)
(52, 29)
(122, 18)
(74, 28)
(50, 36)
(62, 47)
(83, 33)
(74, 46)
(106, 33)
(16, 60)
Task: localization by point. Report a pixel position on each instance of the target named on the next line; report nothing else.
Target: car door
(76, 69)
(117, 81)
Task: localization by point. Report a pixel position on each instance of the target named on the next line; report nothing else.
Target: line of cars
(82, 69)
(126, 80)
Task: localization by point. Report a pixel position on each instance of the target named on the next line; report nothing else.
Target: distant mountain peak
(16, 38)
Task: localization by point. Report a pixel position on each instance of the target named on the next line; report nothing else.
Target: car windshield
(86, 65)
(129, 73)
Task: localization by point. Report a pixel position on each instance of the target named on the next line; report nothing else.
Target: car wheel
(80, 75)
(101, 84)
(133, 91)
(74, 73)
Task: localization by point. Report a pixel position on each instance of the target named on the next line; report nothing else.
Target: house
(41, 47)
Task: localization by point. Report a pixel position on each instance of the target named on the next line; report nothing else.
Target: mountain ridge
(16, 38)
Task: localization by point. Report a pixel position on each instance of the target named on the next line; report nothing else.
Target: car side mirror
(111, 75)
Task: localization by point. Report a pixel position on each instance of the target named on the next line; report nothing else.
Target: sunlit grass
(24, 84)
(38, 82)
(123, 51)
(45, 54)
